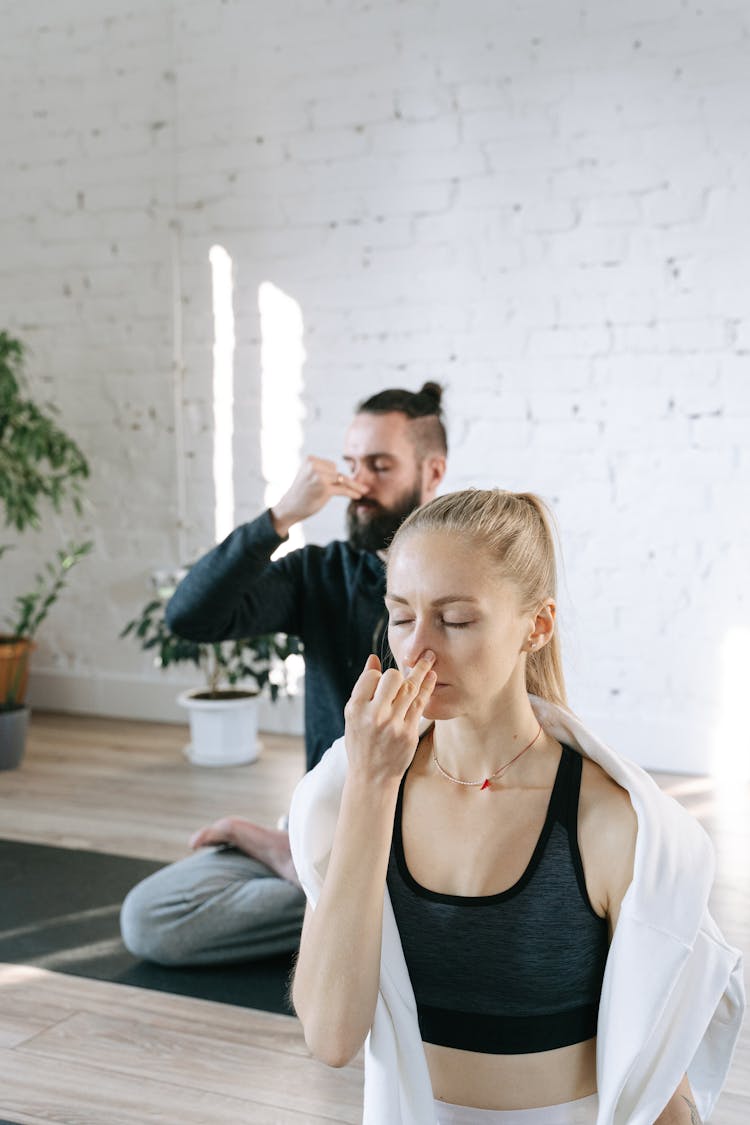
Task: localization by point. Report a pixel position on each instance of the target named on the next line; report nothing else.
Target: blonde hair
(516, 530)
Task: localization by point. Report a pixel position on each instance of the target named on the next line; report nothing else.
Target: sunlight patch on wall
(223, 391)
(282, 412)
(731, 751)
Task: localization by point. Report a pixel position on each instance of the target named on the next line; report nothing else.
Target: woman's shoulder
(605, 807)
(607, 831)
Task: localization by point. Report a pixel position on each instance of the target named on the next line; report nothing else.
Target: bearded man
(240, 900)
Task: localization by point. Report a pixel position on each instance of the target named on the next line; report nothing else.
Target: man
(243, 901)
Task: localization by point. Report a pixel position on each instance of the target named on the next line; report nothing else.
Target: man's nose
(362, 475)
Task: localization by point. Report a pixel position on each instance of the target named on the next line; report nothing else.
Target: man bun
(423, 407)
(433, 391)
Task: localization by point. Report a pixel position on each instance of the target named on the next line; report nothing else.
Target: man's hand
(314, 485)
(268, 845)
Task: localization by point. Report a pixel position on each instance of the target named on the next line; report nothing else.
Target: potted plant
(39, 466)
(223, 714)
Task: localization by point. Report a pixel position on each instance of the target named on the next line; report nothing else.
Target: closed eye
(446, 624)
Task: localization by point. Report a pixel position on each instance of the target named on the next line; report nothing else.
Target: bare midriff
(512, 1081)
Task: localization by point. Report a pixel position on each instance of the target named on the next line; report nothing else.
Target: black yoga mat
(59, 909)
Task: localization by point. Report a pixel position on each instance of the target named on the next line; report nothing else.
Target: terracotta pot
(14, 667)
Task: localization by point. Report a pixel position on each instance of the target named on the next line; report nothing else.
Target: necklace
(487, 782)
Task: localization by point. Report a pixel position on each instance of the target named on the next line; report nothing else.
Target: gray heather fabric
(214, 907)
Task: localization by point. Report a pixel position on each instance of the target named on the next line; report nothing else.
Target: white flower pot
(223, 731)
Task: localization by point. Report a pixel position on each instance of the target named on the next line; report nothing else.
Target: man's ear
(433, 471)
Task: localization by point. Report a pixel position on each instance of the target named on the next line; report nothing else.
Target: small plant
(39, 466)
(38, 461)
(257, 661)
(32, 608)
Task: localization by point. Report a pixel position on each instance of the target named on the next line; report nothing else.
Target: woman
(467, 883)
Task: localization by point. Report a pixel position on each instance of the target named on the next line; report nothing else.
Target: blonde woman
(513, 917)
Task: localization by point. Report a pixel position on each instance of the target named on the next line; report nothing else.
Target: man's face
(379, 454)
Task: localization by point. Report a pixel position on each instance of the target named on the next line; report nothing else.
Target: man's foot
(268, 845)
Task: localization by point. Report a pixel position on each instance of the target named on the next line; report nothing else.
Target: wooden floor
(84, 1052)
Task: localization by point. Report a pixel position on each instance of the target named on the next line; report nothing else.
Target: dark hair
(423, 407)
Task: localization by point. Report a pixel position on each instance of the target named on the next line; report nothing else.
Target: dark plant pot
(13, 726)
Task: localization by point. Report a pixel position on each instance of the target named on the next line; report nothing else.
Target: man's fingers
(343, 485)
(204, 837)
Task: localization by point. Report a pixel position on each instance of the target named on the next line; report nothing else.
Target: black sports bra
(516, 972)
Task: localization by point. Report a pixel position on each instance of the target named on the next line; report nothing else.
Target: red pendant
(486, 784)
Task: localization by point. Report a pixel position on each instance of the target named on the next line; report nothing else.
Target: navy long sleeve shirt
(330, 597)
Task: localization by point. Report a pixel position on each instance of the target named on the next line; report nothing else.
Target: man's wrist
(281, 523)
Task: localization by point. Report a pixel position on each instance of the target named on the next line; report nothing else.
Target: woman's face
(445, 594)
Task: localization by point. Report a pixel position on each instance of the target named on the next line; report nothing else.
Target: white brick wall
(542, 204)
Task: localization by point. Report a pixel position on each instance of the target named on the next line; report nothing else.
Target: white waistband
(580, 1112)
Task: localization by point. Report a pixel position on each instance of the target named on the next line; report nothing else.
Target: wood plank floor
(84, 1052)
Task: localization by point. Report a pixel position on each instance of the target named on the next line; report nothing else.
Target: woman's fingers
(422, 697)
(404, 691)
(368, 681)
(419, 693)
(391, 693)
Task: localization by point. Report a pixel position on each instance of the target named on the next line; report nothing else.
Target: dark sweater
(330, 597)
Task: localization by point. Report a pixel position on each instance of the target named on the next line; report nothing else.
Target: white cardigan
(672, 997)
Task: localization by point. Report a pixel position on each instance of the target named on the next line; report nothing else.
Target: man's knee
(145, 931)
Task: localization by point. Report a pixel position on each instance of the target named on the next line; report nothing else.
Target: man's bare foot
(268, 845)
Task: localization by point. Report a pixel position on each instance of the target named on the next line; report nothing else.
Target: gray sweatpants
(213, 907)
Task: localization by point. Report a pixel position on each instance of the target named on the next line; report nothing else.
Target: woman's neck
(475, 746)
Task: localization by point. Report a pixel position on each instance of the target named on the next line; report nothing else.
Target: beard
(370, 526)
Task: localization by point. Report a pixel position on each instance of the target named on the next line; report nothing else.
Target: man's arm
(235, 590)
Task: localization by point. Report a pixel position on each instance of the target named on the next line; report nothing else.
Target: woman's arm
(680, 1109)
(338, 969)
(608, 828)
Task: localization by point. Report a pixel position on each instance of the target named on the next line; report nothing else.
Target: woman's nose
(419, 642)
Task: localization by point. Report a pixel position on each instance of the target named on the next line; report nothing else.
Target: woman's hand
(382, 718)
(338, 968)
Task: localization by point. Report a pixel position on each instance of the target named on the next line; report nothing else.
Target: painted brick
(546, 211)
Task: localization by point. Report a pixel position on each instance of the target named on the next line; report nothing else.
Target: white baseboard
(122, 697)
